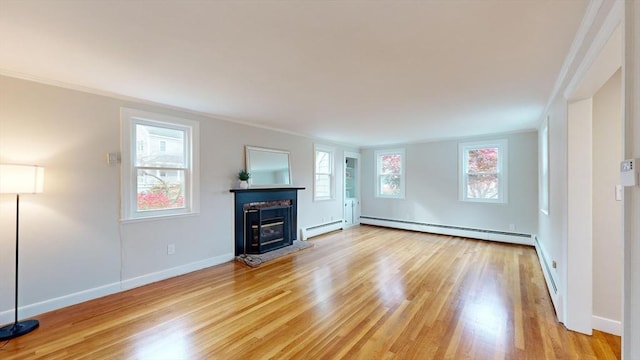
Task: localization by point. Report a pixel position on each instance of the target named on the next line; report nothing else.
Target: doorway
(351, 189)
(594, 253)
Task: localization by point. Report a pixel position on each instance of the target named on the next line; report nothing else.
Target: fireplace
(267, 228)
(265, 219)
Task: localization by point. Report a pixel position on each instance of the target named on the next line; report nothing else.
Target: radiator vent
(461, 231)
(451, 227)
(546, 266)
(320, 229)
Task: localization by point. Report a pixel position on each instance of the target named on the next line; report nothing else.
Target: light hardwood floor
(362, 293)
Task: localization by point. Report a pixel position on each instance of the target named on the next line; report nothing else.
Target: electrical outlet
(553, 264)
(512, 227)
(171, 249)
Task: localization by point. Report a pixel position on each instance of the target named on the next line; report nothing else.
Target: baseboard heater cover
(545, 264)
(502, 236)
(320, 229)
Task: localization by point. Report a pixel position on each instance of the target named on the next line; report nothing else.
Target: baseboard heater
(502, 236)
(316, 230)
(552, 288)
(545, 266)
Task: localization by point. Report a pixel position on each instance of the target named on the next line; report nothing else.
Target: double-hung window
(159, 165)
(483, 171)
(390, 175)
(323, 184)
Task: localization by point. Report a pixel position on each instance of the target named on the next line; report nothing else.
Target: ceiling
(355, 72)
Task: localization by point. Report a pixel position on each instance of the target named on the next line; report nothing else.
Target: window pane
(483, 160)
(323, 186)
(160, 189)
(482, 186)
(390, 164)
(323, 162)
(390, 185)
(160, 147)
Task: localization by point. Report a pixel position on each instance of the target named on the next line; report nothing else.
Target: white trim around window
(160, 165)
(544, 167)
(323, 172)
(488, 180)
(390, 173)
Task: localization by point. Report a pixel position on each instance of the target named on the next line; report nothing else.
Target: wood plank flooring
(362, 293)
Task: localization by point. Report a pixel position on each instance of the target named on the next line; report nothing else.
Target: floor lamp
(19, 179)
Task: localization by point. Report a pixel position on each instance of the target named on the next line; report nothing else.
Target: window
(140, 146)
(162, 178)
(544, 168)
(390, 173)
(323, 177)
(483, 171)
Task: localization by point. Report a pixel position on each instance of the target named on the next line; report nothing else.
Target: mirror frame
(249, 149)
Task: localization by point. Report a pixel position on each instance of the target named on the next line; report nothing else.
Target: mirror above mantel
(268, 167)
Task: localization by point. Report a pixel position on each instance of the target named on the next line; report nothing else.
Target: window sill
(390, 197)
(480, 201)
(158, 218)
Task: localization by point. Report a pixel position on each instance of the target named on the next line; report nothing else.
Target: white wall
(73, 246)
(552, 230)
(607, 212)
(432, 187)
(631, 74)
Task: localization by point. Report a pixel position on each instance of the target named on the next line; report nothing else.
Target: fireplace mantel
(266, 189)
(262, 194)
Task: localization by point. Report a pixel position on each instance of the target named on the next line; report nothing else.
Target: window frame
(129, 119)
(544, 168)
(502, 171)
(331, 151)
(378, 163)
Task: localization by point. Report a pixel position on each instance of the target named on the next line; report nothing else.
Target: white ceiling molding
(578, 41)
(602, 59)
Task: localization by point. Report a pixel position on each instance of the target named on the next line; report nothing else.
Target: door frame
(353, 155)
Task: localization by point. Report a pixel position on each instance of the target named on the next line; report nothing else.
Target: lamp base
(18, 329)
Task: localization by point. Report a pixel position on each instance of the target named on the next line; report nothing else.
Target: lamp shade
(21, 179)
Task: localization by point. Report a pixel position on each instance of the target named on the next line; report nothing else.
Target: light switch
(113, 158)
(619, 192)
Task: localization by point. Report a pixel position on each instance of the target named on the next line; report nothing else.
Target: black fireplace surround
(265, 219)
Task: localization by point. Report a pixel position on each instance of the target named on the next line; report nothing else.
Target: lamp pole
(16, 179)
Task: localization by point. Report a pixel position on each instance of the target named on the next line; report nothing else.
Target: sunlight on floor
(174, 346)
(487, 320)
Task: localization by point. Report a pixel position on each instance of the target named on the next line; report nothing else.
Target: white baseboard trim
(316, 230)
(501, 236)
(59, 302)
(607, 325)
(176, 271)
(100, 291)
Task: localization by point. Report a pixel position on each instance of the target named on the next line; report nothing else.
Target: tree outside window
(160, 174)
(483, 171)
(390, 173)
